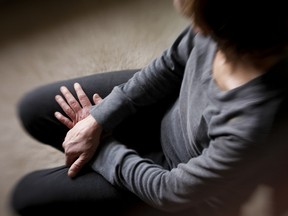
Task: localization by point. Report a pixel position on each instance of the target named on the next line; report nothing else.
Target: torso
(206, 98)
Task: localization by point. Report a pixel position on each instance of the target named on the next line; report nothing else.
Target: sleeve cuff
(109, 158)
(112, 110)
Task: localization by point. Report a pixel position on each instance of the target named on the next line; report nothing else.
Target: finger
(65, 107)
(77, 166)
(97, 99)
(73, 103)
(70, 159)
(64, 120)
(84, 100)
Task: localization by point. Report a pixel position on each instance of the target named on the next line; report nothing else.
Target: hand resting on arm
(82, 139)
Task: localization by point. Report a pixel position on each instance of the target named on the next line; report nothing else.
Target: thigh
(36, 109)
(52, 192)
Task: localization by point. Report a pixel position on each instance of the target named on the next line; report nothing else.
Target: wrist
(93, 123)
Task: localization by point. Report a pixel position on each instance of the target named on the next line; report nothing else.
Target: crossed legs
(50, 191)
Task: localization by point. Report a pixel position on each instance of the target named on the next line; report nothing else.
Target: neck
(232, 74)
(257, 64)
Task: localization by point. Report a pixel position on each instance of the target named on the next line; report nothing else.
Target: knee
(36, 192)
(27, 108)
(35, 112)
(30, 112)
(21, 199)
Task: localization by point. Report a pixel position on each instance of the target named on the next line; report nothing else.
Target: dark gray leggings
(50, 191)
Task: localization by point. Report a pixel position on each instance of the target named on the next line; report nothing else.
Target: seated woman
(194, 132)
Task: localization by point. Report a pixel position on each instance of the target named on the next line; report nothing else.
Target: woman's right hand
(81, 143)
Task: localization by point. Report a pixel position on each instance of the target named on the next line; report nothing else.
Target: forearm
(152, 183)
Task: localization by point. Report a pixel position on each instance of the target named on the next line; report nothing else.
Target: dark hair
(244, 28)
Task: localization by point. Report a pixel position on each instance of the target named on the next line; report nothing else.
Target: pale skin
(83, 138)
(230, 75)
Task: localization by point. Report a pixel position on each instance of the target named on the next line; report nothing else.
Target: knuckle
(70, 152)
(69, 112)
(76, 166)
(72, 102)
(66, 148)
(82, 96)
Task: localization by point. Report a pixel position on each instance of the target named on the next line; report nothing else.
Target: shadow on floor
(20, 19)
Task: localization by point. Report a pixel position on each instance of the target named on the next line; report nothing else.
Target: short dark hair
(244, 28)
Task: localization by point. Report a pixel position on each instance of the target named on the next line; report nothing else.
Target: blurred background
(45, 41)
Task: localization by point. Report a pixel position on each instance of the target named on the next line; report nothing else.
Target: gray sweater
(219, 144)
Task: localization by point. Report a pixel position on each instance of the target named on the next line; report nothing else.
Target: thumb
(97, 99)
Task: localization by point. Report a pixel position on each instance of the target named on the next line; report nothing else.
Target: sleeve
(173, 190)
(156, 81)
(227, 164)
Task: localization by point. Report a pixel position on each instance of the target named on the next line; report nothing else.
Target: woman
(194, 132)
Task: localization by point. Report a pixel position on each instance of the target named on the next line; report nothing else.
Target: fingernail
(77, 85)
(57, 114)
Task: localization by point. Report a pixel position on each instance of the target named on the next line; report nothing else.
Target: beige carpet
(44, 41)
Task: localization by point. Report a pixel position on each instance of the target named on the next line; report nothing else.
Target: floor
(44, 41)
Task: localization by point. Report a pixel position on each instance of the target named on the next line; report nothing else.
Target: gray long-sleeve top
(217, 143)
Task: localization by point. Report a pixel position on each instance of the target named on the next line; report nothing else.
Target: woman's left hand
(75, 111)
